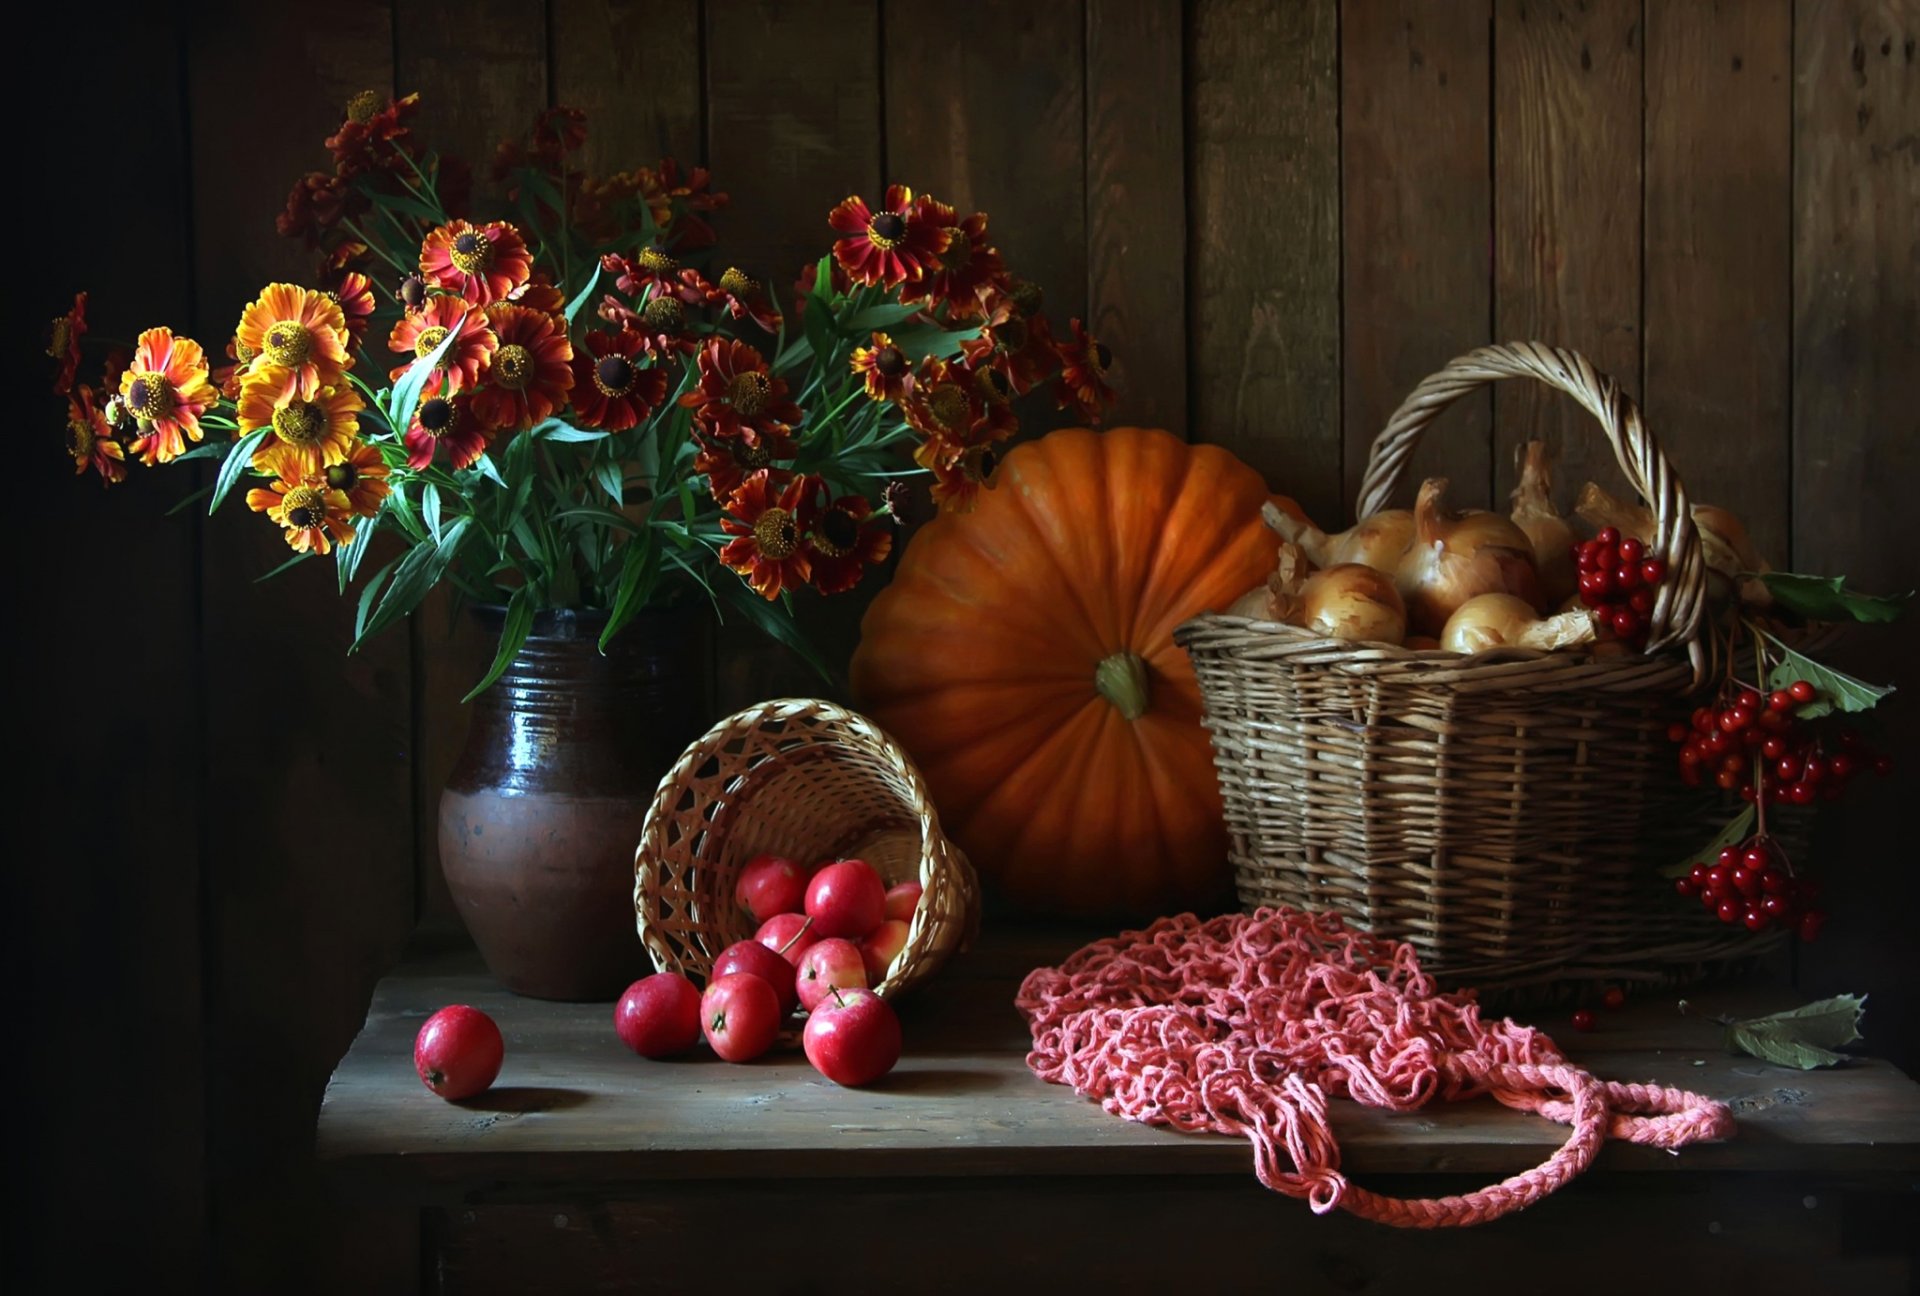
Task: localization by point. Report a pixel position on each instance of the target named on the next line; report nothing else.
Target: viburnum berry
(1614, 997)
(1802, 691)
(1583, 1019)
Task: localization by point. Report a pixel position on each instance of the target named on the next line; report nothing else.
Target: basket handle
(1680, 605)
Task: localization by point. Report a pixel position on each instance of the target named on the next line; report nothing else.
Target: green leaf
(639, 573)
(1823, 598)
(1836, 691)
(485, 464)
(402, 202)
(513, 636)
(367, 597)
(294, 561)
(205, 450)
(1738, 829)
(234, 464)
(406, 392)
(884, 316)
(573, 307)
(559, 430)
(922, 340)
(777, 625)
(818, 324)
(604, 516)
(611, 481)
(402, 509)
(430, 509)
(417, 574)
(348, 557)
(1803, 1037)
(190, 500)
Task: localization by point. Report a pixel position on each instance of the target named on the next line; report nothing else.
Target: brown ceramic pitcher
(541, 814)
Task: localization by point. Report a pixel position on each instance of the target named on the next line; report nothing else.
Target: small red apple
(755, 959)
(879, 947)
(458, 1052)
(853, 1037)
(769, 885)
(831, 964)
(846, 898)
(740, 1015)
(902, 899)
(790, 934)
(659, 1015)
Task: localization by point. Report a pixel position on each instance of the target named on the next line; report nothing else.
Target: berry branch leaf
(1827, 598)
(1803, 1037)
(1837, 691)
(1737, 830)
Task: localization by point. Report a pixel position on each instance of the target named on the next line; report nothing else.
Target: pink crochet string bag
(1245, 1025)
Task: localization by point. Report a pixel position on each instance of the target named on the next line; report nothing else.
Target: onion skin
(1457, 556)
(1379, 541)
(1508, 621)
(1355, 602)
(1724, 543)
(1549, 535)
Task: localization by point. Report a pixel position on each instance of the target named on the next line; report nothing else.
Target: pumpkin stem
(1122, 680)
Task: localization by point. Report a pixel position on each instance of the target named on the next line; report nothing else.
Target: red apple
(740, 1015)
(458, 1052)
(769, 885)
(755, 959)
(853, 1037)
(790, 934)
(902, 899)
(659, 1015)
(846, 898)
(879, 947)
(831, 964)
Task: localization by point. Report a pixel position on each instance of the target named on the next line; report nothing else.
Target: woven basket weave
(812, 781)
(1506, 812)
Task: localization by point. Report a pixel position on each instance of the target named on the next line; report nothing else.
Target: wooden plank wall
(1281, 216)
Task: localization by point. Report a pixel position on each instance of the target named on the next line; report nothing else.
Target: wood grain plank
(309, 887)
(632, 65)
(1264, 253)
(1856, 446)
(1136, 205)
(1718, 273)
(480, 80)
(1567, 150)
(1416, 207)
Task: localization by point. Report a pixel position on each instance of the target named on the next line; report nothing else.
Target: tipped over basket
(1506, 813)
(812, 781)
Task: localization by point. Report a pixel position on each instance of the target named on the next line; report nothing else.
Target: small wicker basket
(1505, 813)
(806, 779)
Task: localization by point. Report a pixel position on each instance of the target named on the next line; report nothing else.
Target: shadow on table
(522, 1099)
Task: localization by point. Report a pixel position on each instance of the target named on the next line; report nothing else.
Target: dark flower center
(886, 230)
(306, 507)
(62, 337)
(1010, 334)
(959, 249)
(471, 252)
(80, 438)
(150, 397)
(752, 457)
(413, 292)
(891, 361)
(1026, 296)
(776, 534)
(1102, 356)
(836, 534)
(664, 314)
(736, 283)
(658, 260)
(363, 106)
(978, 463)
(995, 384)
(299, 423)
(512, 366)
(948, 405)
(613, 376)
(429, 339)
(288, 344)
(342, 476)
(437, 416)
(748, 392)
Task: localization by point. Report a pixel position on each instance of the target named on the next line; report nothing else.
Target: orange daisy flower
(354, 297)
(418, 332)
(531, 370)
(90, 438)
(964, 271)
(653, 267)
(769, 517)
(884, 368)
(315, 516)
(1082, 385)
(300, 332)
(728, 463)
(165, 390)
(610, 389)
(482, 263)
(960, 473)
(63, 346)
(747, 298)
(447, 420)
(737, 396)
(895, 245)
(539, 293)
(948, 403)
(305, 433)
(1018, 344)
(361, 477)
(844, 541)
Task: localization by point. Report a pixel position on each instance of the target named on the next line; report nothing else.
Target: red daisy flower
(354, 297)
(610, 389)
(948, 403)
(540, 294)
(418, 332)
(165, 390)
(803, 286)
(90, 438)
(965, 271)
(315, 206)
(884, 368)
(728, 463)
(769, 517)
(895, 245)
(651, 267)
(371, 137)
(1018, 344)
(448, 421)
(737, 395)
(747, 298)
(677, 204)
(63, 346)
(531, 371)
(960, 473)
(1082, 385)
(844, 541)
(482, 263)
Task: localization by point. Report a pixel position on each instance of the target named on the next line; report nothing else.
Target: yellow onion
(1378, 541)
(1549, 536)
(1457, 555)
(1353, 601)
(1508, 621)
(1278, 597)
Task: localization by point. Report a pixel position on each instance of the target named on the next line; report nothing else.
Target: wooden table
(587, 1168)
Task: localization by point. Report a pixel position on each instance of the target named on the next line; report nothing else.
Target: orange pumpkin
(1024, 655)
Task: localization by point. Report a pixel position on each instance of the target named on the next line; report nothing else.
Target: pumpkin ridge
(1052, 500)
(1145, 439)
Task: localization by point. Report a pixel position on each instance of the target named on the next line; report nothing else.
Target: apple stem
(836, 996)
(797, 935)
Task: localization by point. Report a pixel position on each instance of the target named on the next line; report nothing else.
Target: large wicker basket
(806, 779)
(1505, 813)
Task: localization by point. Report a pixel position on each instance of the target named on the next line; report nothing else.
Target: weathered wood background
(1280, 215)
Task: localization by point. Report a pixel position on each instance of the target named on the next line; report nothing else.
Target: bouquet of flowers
(553, 402)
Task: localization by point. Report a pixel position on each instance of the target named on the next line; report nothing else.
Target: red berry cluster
(1754, 745)
(1753, 884)
(1618, 580)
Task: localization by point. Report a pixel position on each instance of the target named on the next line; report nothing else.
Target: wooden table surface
(573, 1107)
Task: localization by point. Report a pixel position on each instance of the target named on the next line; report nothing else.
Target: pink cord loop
(1245, 1025)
